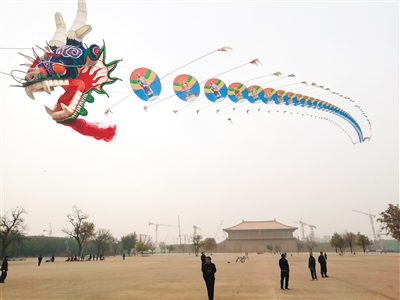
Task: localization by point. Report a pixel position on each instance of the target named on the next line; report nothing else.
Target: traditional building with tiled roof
(254, 236)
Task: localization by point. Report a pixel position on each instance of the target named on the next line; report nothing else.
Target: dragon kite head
(79, 70)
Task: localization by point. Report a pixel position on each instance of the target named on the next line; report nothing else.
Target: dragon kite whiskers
(79, 70)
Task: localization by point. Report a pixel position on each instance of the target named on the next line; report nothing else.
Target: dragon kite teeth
(78, 69)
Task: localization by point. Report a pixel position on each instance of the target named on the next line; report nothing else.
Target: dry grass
(372, 276)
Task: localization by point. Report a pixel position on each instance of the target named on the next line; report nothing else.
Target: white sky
(202, 167)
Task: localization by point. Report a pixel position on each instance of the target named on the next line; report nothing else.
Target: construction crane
(380, 239)
(157, 229)
(50, 231)
(371, 219)
(195, 230)
(302, 228)
(215, 236)
(312, 227)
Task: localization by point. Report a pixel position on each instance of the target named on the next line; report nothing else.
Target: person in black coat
(311, 266)
(209, 271)
(203, 260)
(322, 263)
(284, 266)
(40, 258)
(4, 269)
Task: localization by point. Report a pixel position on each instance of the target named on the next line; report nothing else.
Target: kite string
(120, 101)
(205, 107)
(145, 108)
(175, 111)
(254, 61)
(257, 78)
(154, 103)
(225, 107)
(188, 64)
(226, 72)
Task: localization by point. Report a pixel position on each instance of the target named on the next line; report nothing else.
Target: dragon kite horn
(60, 36)
(79, 28)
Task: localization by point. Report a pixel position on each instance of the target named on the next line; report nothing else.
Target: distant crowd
(85, 258)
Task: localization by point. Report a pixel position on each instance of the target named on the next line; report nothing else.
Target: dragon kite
(79, 70)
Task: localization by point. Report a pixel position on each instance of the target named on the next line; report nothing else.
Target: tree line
(83, 237)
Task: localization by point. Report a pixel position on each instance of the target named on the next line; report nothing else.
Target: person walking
(284, 266)
(40, 260)
(326, 256)
(322, 264)
(311, 266)
(209, 271)
(4, 269)
(123, 256)
(203, 260)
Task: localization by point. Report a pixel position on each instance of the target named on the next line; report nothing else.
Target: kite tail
(91, 129)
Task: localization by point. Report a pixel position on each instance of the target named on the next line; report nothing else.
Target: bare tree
(299, 245)
(12, 228)
(197, 243)
(163, 247)
(152, 247)
(311, 244)
(277, 248)
(82, 231)
(350, 238)
(270, 248)
(102, 240)
(114, 245)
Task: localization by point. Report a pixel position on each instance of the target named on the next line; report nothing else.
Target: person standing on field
(209, 271)
(322, 263)
(311, 266)
(4, 269)
(284, 266)
(203, 260)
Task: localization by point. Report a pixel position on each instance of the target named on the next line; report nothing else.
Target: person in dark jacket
(203, 260)
(209, 270)
(322, 263)
(284, 266)
(40, 260)
(311, 266)
(4, 269)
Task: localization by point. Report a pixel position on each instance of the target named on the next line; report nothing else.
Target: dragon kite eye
(59, 69)
(42, 71)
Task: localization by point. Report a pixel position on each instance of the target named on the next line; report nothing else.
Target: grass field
(177, 276)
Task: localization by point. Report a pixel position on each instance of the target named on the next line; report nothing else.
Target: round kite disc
(215, 90)
(237, 92)
(255, 94)
(145, 84)
(186, 87)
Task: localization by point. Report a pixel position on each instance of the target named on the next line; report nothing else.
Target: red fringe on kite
(91, 129)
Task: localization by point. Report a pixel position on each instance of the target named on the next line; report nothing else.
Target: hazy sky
(202, 167)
